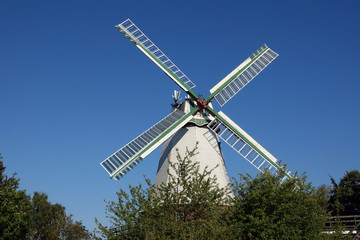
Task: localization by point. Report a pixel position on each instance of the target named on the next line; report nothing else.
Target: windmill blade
(242, 75)
(126, 158)
(132, 32)
(244, 144)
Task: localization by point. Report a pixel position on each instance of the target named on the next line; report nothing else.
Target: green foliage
(190, 206)
(24, 218)
(48, 218)
(345, 196)
(265, 208)
(51, 222)
(15, 208)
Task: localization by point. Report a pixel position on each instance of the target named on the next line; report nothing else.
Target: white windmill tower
(194, 120)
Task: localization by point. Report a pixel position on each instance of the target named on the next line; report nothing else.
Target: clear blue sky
(74, 90)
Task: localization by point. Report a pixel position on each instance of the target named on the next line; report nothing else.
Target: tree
(265, 208)
(190, 206)
(75, 230)
(345, 196)
(15, 208)
(48, 218)
(51, 222)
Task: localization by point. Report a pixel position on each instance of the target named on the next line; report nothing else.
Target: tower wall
(209, 153)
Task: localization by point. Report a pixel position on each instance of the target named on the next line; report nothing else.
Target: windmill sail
(131, 31)
(126, 158)
(245, 145)
(242, 75)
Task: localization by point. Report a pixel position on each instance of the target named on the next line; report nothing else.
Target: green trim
(200, 122)
(182, 84)
(233, 77)
(193, 111)
(215, 114)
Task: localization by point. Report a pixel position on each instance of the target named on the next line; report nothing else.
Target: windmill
(195, 119)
